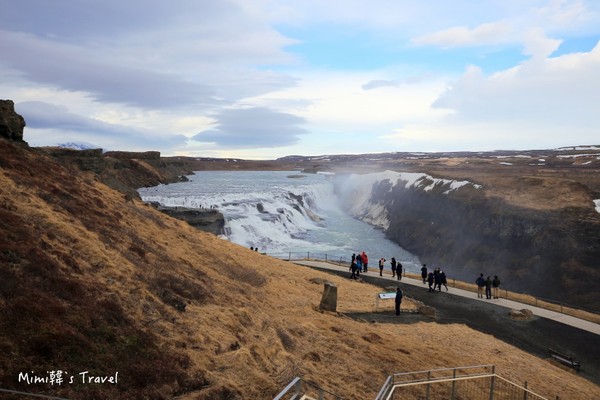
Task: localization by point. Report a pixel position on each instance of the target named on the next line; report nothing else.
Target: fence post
(428, 384)
(290, 256)
(325, 257)
(308, 255)
(525, 391)
(453, 395)
(492, 383)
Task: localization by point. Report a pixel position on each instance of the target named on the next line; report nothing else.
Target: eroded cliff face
(553, 254)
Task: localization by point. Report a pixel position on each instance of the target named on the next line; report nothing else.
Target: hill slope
(92, 281)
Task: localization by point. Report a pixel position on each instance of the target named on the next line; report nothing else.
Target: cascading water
(281, 211)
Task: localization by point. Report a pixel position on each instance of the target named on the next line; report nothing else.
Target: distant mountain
(77, 146)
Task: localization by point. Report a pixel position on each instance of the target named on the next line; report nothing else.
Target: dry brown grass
(92, 281)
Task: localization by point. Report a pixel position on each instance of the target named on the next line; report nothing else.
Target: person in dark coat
(398, 300)
(399, 271)
(444, 280)
(354, 269)
(488, 288)
(393, 263)
(495, 286)
(437, 280)
(424, 273)
(480, 285)
(430, 281)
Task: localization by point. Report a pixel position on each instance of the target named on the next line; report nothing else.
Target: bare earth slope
(93, 281)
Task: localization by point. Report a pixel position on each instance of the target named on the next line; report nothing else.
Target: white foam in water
(279, 214)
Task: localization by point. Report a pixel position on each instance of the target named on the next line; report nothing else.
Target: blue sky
(261, 79)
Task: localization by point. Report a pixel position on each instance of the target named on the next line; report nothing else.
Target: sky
(261, 79)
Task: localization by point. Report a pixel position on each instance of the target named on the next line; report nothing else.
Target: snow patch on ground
(576, 155)
(597, 204)
(505, 163)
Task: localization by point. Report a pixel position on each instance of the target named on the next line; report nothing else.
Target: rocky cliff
(549, 253)
(11, 123)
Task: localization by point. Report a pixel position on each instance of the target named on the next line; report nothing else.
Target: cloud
(377, 83)
(541, 98)
(147, 54)
(459, 36)
(254, 127)
(78, 69)
(67, 126)
(538, 45)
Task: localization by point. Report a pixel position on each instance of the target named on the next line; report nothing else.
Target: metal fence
(299, 389)
(472, 383)
(307, 255)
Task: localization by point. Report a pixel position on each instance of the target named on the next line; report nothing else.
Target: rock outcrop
(208, 220)
(11, 123)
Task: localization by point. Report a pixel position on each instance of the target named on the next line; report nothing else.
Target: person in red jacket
(365, 261)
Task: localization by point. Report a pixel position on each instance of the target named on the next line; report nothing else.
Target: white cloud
(66, 126)
(484, 34)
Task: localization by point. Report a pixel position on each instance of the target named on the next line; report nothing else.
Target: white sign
(387, 295)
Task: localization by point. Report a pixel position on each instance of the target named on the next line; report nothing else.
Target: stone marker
(329, 299)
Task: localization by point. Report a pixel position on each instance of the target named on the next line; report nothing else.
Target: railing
(299, 389)
(476, 382)
(307, 255)
(553, 305)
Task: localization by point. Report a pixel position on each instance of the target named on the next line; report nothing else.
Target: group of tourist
(395, 266)
(435, 278)
(360, 263)
(490, 285)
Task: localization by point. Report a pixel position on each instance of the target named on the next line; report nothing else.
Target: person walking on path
(381, 264)
(430, 281)
(488, 288)
(444, 280)
(480, 284)
(424, 273)
(354, 269)
(495, 286)
(398, 300)
(393, 263)
(399, 271)
(437, 279)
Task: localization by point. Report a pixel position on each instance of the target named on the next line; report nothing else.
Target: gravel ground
(534, 336)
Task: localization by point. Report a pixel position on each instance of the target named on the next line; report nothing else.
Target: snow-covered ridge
(356, 190)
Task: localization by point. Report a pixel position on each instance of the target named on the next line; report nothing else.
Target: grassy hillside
(93, 281)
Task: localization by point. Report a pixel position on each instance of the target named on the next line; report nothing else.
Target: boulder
(208, 220)
(521, 315)
(329, 298)
(11, 123)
